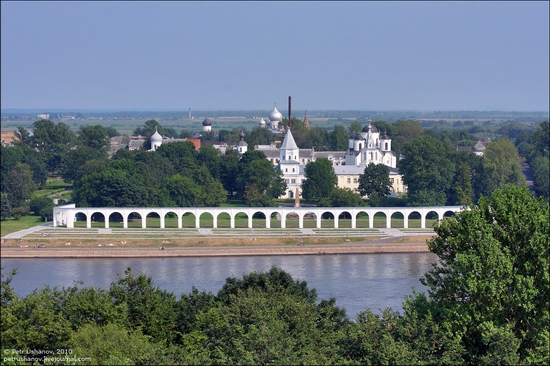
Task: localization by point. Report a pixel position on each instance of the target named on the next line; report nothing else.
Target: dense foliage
(487, 304)
(430, 162)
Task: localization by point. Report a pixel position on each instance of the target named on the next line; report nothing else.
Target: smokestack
(289, 114)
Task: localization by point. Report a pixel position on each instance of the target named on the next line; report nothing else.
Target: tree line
(487, 303)
(179, 175)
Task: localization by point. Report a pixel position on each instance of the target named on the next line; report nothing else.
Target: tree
(229, 170)
(209, 156)
(501, 166)
(75, 159)
(95, 137)
(149, 308)
(20, 185)
(42, 206)
(375, 179)
(490, 288)
(427, 168)
(260, 179)
(462, 187)
(355, 128)
(540, 168)
(320, 180)
(342, 197)
(338, 138)
(6, 207)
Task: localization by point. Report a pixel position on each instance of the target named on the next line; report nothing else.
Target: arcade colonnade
(67, 215)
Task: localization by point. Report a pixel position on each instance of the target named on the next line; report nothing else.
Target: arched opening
(290, 194)
(379, 220)
(327, 220)
(344, 220)
(258, 220)
(414, 220)
(171, 220)
(275, 220)
(80, 220)
(310, 220)
(152, 220)
(98, 220)
(206, 220)
(362, 220)
(188, 220)
(224, 220)
(292, 220)
(241, 220)
(432, 219)
(115, 220)
(134, 220)
(397, 220)
(448, 214)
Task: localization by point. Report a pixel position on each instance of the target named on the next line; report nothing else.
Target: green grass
(12, 225)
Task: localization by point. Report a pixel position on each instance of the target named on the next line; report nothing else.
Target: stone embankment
(211, 251)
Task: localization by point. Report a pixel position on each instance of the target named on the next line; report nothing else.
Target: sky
(423, 56)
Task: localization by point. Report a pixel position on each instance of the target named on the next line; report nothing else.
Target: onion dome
(358, 137)
(262, 123)
(372, 127)
(156, 137)
(241, 135)
(275, 115)
(207, 122)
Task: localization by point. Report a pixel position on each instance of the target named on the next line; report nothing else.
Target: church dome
(262, 122)
(275, 115)
(156, 137)
(358, 137)
(241, 135)
(373, 128)
(207, 122)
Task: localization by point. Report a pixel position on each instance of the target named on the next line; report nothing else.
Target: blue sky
(248, 55)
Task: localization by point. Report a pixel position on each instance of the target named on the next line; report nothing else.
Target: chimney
(289, 114)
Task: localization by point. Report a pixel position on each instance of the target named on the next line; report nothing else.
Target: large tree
(375, 179)
(20, 185)
(320, 180)
(501, 166)
(489, 290)
(427, 171)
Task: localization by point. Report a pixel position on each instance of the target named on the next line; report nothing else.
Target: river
(358, 281)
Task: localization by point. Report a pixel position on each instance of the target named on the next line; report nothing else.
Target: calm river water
(375, 281)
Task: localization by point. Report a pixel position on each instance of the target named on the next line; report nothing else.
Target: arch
(80, 220)
(259, 220)
(379, 220)
(275, 220)
(116, 220)
(310, 220)
(362, 220)
(152, 220)
(224, 220)
(241, 220)
(292, 220)
(327, 219)
(206, 220)
(431, 219)
(397, 220)
(171, 220)
(188, 220)
(413, 220)
(135, 220)
(344, 220)
(448, 214)
(98, 220)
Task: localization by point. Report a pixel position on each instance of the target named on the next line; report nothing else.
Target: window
(286, 170)
(293, 170)
(349, 180)
(391, 180)
(293, 181)
(354, 180)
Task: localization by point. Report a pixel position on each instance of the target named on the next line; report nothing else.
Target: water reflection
(375, 281)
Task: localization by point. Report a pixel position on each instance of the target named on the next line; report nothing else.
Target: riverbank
(416, 244)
